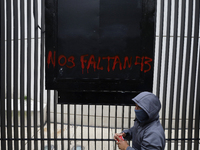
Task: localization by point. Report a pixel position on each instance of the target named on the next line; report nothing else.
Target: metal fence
(31, 117)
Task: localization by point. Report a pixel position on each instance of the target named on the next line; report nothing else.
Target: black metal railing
(31, 117)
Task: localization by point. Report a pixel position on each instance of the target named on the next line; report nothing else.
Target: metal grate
(178, 71)
(31, 117)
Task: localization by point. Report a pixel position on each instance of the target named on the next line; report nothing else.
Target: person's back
(147, 132)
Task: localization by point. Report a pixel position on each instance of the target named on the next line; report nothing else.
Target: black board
(103, 48)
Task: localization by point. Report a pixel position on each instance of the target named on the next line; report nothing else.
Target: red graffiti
(62, 60)
(99, 68)
(142, 62)
(126, 60)
(91, 62)
(59, 60)
(109, 58)
(71, 60)
(147, 62)
(83, 61)
(117, 61)
(51, 59)
(99, 64)
(96, 65)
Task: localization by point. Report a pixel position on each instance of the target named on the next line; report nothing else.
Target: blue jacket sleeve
(130, 148)
(152, 141)
(149, 143)
(128, 134)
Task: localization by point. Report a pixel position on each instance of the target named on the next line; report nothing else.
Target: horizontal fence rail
(30, 116)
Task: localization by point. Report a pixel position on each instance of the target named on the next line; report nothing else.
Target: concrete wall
(105, 109)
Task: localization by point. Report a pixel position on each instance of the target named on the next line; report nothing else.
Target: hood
(149, 103)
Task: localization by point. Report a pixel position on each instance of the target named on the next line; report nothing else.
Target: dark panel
(96, 97)
(99, 45)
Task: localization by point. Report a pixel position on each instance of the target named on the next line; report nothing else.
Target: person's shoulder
(155, 128)
(154, 135)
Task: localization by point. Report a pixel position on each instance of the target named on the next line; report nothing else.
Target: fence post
(2, 77)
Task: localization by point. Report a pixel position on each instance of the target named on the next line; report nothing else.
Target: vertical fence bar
(102, 127)
(55, 119)
(62, 126)
(68, 126)
(115, 122)
(74, 125)
(88, 126)
(109, 126)
(15, 64)
(171, 100)
(193, 73)
(95, 126)
(160, 47)
(1, 21)
(9, 113)
(122, 117)
(129, 119)
(185, 87)
(179, 77)
(55, 92)
(166, 63)
(1, 39)
(42, 74)
(197, 113)
(35, 10)
(2, 96)
(81, 125)
(29, 73)
(22, 48)
(48, 120)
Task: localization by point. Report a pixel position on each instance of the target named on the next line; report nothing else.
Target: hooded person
(147, 132)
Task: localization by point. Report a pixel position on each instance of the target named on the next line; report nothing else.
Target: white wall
(155, 65)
